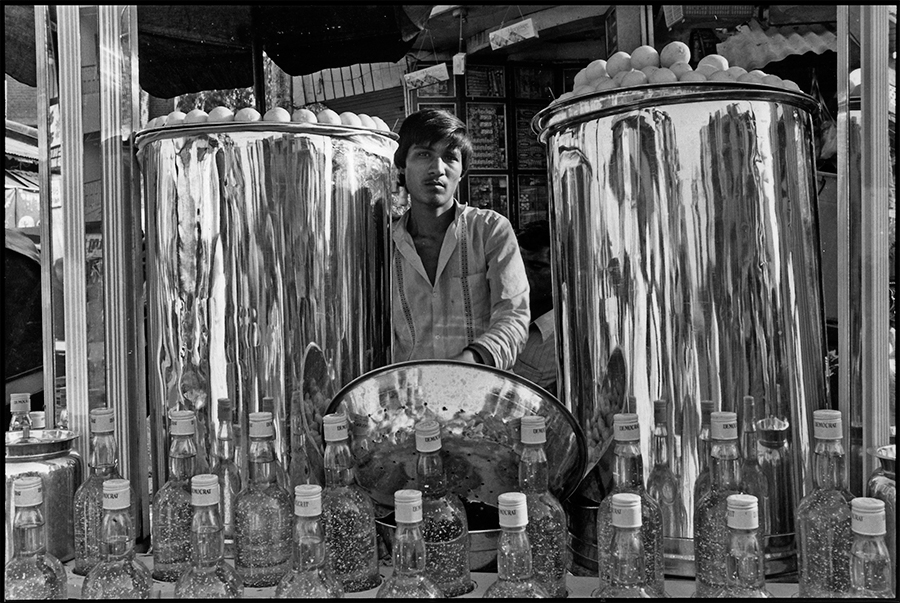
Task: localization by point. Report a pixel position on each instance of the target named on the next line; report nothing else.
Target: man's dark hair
(430, 126)
(534, 236)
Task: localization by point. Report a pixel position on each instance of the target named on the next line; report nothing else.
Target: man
(459, 289)
(537, 362)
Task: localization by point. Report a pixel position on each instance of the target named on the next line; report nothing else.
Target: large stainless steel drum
(686, 267)
(265, 260)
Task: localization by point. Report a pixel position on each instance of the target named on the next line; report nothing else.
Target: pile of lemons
(647, 66)
(278, 114)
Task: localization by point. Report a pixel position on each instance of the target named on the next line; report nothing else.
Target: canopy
(189, 48)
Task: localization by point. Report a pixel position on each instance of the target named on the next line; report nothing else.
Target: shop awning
(189, 48)
(754, 47)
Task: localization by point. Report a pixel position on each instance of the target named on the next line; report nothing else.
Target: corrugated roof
(20, 149)
(754, 47)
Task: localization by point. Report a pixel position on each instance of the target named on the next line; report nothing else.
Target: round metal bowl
(479, 409)
(41, 443)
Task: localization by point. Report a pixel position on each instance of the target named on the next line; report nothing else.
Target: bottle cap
(28, 491)
(19, 402)
(267, 405)
(335, 427)
(659, 411)
(204, 490)
(827, 425)
(626, 427)
(224, 407)
(261, 425)
(103, 420)
(38, 419)
(723, 425)
(182, 422)
(626, 510)
(428, 436)
(308, 500)
(706, 409)
(513, 510)
(867, 516)
(742, 512)
(116, 494)
(534, 430)
(408, 506)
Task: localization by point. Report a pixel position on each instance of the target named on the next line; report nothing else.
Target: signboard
(530, 153)
(490, 192)
(485, 80)
(487, 129)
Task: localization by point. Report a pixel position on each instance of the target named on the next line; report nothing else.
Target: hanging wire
(518, 8)
(460, 31)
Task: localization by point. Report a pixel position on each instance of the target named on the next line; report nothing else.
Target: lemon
(247, 114)
(367, 122)
(197, 116)
(644, 56)
(679, 68)
(662, 76)
(175, 118)
(691, 76)
(716, 60)
(220, 114)
(596, 70)
(277, 114)
(328, 116)
(635, 78)
(348, 118)
(620, 61)
(674, 52)
(304, 116)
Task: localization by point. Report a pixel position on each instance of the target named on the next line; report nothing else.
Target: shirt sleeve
(507, 333)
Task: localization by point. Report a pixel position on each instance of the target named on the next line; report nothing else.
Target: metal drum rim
(621, 100)
(57, 443)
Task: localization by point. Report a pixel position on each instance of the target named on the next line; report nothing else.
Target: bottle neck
(749, 441)
(628, 472)
(828, 464)
(338, 464)
(261, 457)
(725, 461)
(207, 537)
(225, 439)
(533, 470)
(627, 558)
(104, 452)
(409, 549)
(116, 528)
(744, 559)
(430, 474)
(660, 445)
(29, 538)
(309, 543)
(704, 444)
(514, 555)
(182, 456)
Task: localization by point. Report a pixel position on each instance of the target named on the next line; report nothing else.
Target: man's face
(538, 270)
(433, 173)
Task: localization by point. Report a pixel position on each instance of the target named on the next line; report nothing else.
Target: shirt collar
(545, 324)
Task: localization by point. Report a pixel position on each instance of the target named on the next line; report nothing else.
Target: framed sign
(487, 128)
(533, 198)
(485, 80)
(448, 107)
(490, 192)
(530, 153)
(533, 83)
(445, 89)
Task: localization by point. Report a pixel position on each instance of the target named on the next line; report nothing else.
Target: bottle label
(183, 426)
(428, 442)
(19, 405)
(262, 428)
(205, 495)
(628, 432)
(409, 512)
(743, 518)
(116, 500)
(723, 425)
(868, 524)
(827, 429)
(533, 435)
(103, 422)
(513, 517)
(308, 507)
(626, 517)
(30, 493)
(335, 432)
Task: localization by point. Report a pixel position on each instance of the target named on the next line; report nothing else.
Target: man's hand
(466, 356)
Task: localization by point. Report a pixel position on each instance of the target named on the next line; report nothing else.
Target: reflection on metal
(686, 240)
(479, 409)
(261, 239)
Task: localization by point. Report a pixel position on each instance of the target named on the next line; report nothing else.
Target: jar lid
(224, 406)
(723, 425)
(19, 402)
(827, 425)
(182, 422)
(513, 508)
(408, 506)
(428, 436)
(28, 491)
(261, 425)
(867, 516)
(626, 427)
(742, 512)
(116, 494)
(204, 490)
(103, 420)
(534, 429)
(38, 419)
(308, 500)
(626, 510)
(335, 427)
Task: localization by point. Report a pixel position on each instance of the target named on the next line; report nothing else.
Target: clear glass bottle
(262, 514)
(515, 573)
(224, 467)
(753, 481)
(209, 577)
(311, 576)
(349, 514)
(281, 474)
(745, 573)
(104, 466)
(870, 561)
(627, 577)
(445, 526)
(32, 573)
(710, 524)
(171, 509)
(19, 407)
(662, 484)
(882, 485)
(547, 528)
(628, 476)
(119, 575)
(409, 579)
(823, 516)
(704, 445)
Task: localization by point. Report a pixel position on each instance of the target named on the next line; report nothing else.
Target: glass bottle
(662, 485)
(776, 464)
(171, 508)
(753, 481)
(883, 486)
(870, 561)
(627, 577)
(628, 476)
(119, 575)
(88, 502)
(281, 475)
(209, 577)
(19, 407)
(515, 574)
(349, 514)
(262, 513)
(409, 579)
(445, 526)
(311, 576)
(701, 484)
(224, 467)
(710, 524)
(547, 529)
(823, 516)
(745, 573)
(360, 444)
(32, 573)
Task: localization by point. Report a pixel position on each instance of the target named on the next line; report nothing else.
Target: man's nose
(437, 166)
